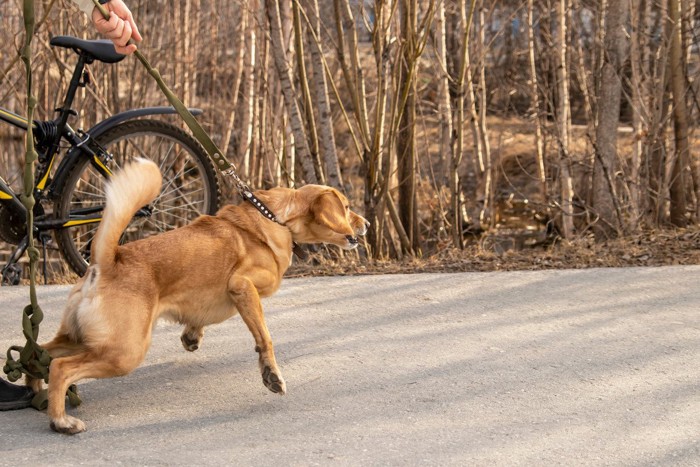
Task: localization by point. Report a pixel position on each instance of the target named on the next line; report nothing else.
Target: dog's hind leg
(191, 337)
(63, 346)
(246, 299)
(65, 371)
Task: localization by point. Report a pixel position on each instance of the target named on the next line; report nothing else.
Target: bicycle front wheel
(190, 186)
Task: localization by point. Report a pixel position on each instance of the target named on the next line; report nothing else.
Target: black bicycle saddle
(102, 50)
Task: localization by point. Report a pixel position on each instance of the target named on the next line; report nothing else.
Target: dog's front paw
(68, 425)
(273, 381)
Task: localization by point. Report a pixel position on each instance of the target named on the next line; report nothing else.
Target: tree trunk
(186, 52)
(246, 140)
(271, 165)
(303, 81)
(657, 140)
(301, 143)
(640, 14)
(688, 11)
(566, 187)
(464, 92)
(241, 67)
(444, 107)
(354, 77)
(485, 161)
(605, 200)
(374, 162)
(326, 135)
(406, 151)
(535, 103)
(680, 119)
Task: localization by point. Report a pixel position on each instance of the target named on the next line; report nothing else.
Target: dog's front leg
(246, 299)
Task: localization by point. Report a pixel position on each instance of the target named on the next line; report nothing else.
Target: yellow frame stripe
(14, 117)
(42, 182)
(81, 222)
(4, 195)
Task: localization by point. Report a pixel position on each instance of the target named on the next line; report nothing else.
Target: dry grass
(653, 248)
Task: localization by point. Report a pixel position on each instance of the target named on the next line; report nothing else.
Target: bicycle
(70, 198)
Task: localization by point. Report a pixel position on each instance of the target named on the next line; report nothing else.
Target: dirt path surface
(564, 367)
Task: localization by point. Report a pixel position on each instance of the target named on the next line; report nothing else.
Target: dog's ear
(328, 210)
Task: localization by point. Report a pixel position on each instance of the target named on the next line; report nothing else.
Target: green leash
(33, 360)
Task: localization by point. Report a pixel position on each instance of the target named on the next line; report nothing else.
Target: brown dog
(197, 275)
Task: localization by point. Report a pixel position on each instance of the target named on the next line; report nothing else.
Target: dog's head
(323, 215)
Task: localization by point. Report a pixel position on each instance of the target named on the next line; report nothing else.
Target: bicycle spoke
(79, 239)
(173, 215)
(161, 226)
(177, 188)
(186, 201)
(142, 153)
(166, 157)
(87, 194)
(173, 178)
(97, 189)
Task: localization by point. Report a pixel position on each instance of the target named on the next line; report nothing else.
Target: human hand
(119, 28)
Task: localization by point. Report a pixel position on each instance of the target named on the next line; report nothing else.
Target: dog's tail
(134, 186)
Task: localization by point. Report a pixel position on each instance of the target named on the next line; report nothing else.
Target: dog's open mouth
(352, 241)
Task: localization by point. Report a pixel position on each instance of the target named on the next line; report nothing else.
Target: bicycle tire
(190, 185)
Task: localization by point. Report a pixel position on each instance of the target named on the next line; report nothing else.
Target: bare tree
(406, 150)
(301, 143)
(656, 166)
(444, 105)
(484, 155)
(246, 141)
(640, 55)
(680, 118)
(535, 101)
(464, 98)
(605, 198)
(566, 184)
(326, 134)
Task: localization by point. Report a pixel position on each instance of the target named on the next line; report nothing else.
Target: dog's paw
(274, 381)
(190, 341)
(68, 425)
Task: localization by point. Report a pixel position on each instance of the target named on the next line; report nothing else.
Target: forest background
(474, 135)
